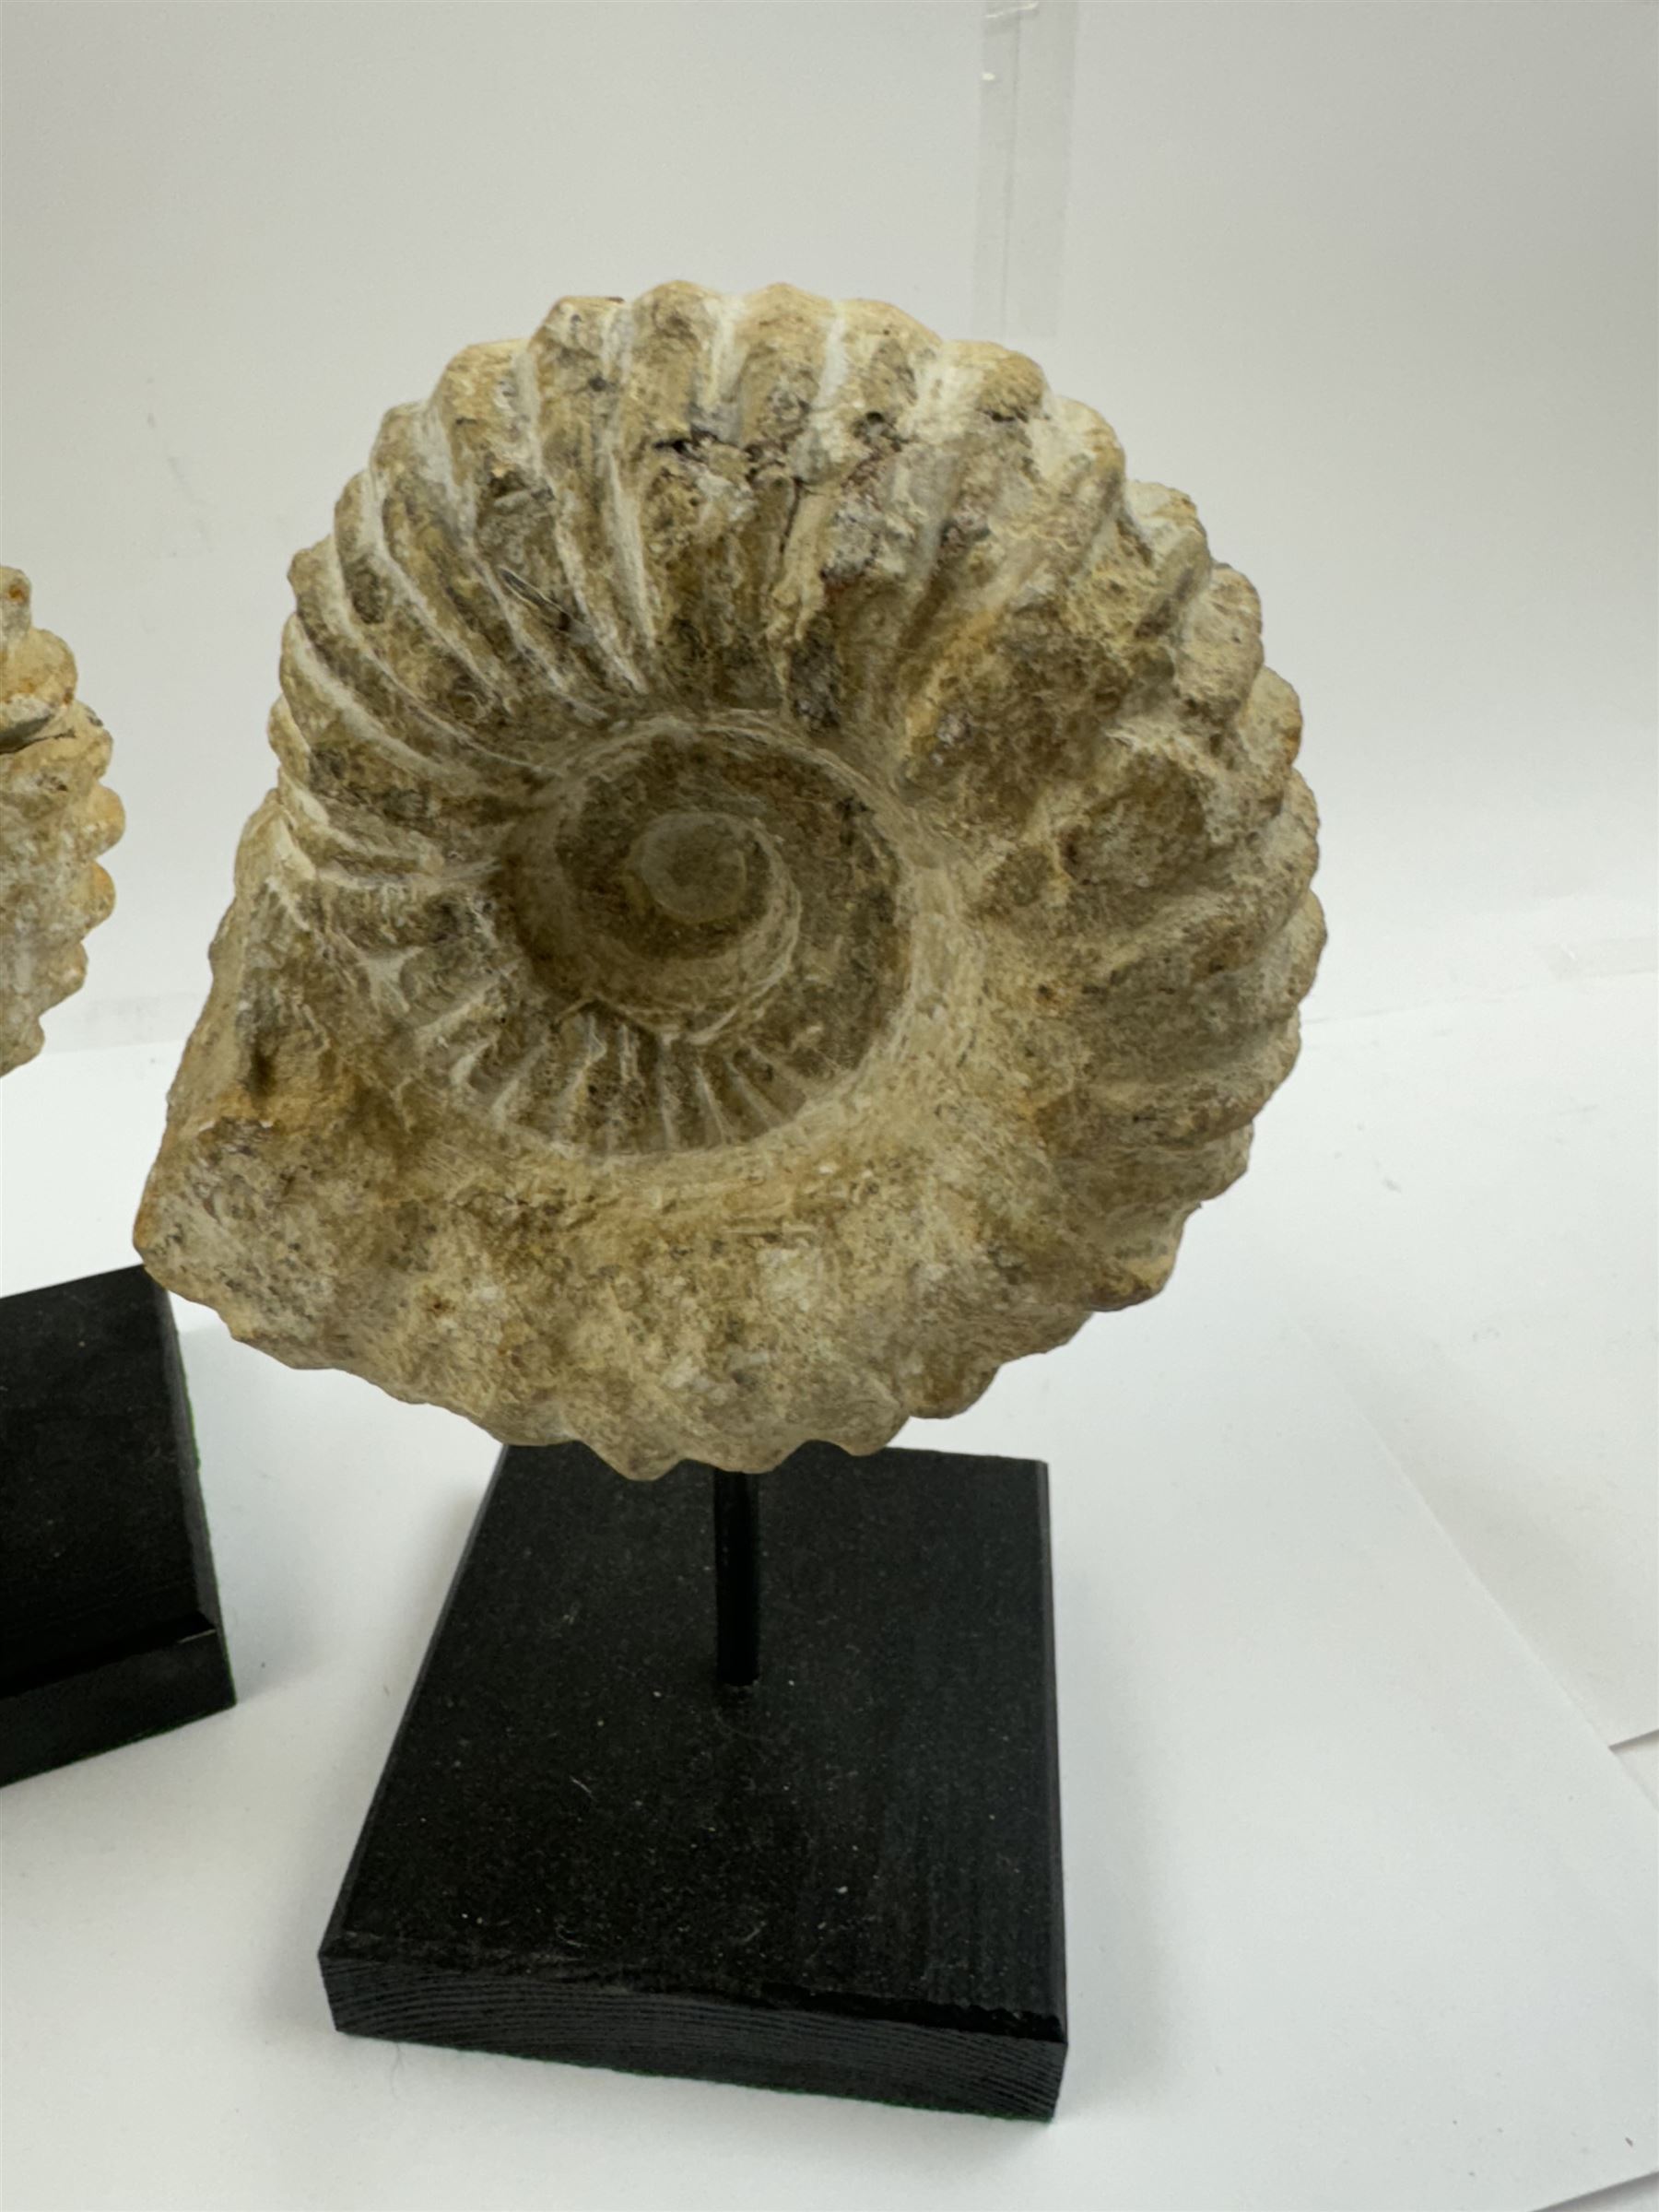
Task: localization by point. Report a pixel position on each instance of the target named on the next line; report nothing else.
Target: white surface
(1358, 1902)
(1361, 1913)
(1461, 1203)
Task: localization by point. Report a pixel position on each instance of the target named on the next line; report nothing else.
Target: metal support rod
(736, 1578)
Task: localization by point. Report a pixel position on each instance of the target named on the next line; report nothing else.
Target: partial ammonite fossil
(784, 889)
(55, 818)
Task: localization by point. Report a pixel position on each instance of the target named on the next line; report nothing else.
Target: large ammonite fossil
(785, 887)
(55, 818)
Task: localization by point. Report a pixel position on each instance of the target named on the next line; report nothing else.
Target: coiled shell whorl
(55, 818)
(785, 887)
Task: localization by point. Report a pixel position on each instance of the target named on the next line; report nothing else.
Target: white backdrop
(1376, 284)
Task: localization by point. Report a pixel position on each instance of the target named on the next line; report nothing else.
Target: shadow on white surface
(347, 1544)
(1630, 2196)
(1639, 1760)
(1458, 1202)
(1116, 1996)
(325, 1830)
(77, 1134)
(266, 1553)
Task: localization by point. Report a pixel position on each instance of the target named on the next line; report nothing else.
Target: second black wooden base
(844, 1879)
(108, 1613)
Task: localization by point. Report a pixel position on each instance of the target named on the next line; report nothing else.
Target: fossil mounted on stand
(786, 885)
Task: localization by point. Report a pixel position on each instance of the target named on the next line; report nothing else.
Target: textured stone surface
(785, 887)
(55, 818)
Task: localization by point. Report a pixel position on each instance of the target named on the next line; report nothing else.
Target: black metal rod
(736, 1578)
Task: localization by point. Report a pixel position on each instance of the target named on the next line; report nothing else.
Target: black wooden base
(109, 1615)
(845, 1879)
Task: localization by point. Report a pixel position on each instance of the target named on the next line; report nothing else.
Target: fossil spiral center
(695, 868)
(716, 927)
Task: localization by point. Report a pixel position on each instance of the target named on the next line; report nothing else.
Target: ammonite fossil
(55, 818)
(784, 889)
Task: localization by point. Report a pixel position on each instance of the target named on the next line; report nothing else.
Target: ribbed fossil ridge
(785, 887)
(55, 818)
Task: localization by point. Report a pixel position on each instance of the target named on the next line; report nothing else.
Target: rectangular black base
(844, 1879)
(108, 1613)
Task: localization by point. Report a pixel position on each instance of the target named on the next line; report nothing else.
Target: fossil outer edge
(786, 885)
(55, 818)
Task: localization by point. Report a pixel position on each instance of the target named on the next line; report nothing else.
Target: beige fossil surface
(785, 887)
(55, 819)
